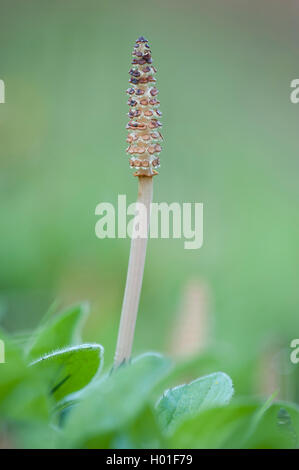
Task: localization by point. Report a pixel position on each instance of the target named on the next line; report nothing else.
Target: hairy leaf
(71, 369)
(185, 400)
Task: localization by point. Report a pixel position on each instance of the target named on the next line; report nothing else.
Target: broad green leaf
(59, 332)
(116, 401)
(216, 428)
(23, 394)
(14, 369)
(36, 435)
(141, 433)
(244, 424)
(71, 369)
(180, 402)
(28, 400)
(145, 431)
(278, 428)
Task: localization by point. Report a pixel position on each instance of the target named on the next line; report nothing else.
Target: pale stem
(134, 279)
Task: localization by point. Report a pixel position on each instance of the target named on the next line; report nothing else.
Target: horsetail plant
(144, 140)
(52, 391)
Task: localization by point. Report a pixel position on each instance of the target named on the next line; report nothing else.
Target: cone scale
(144, 137)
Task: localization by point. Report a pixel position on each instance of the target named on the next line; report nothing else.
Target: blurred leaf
(116, 401)
(141, 433)
(183, 401)
(72, 368)
(14, 370)
(49, 313)
(21, 339)
(215, 428)
(28, 400)
(248, 425)
(145, 432)
(58, 332)
(35, 435)
(23, 391)
(278, 428)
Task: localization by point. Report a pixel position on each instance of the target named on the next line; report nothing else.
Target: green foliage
(186, 400)
(220, 427)
(61, 399)
(72, 368)
(278, 427)
(114, 402)
(58, 332)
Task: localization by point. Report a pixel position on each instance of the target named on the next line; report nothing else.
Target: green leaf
(141, 433)
(71, 369)
(245, 424)
(36, 435)
(28, 400)
(116, 401)
(23, 394)
(58, 332)
(14, 369)
(183, 401)
(145, 432)
(278, 428)
(216, 428)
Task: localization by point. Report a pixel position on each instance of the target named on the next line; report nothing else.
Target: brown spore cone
(144, 137)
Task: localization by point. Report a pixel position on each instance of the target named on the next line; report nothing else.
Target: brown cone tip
(144, 136)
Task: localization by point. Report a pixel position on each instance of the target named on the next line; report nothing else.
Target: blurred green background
(231, 142)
